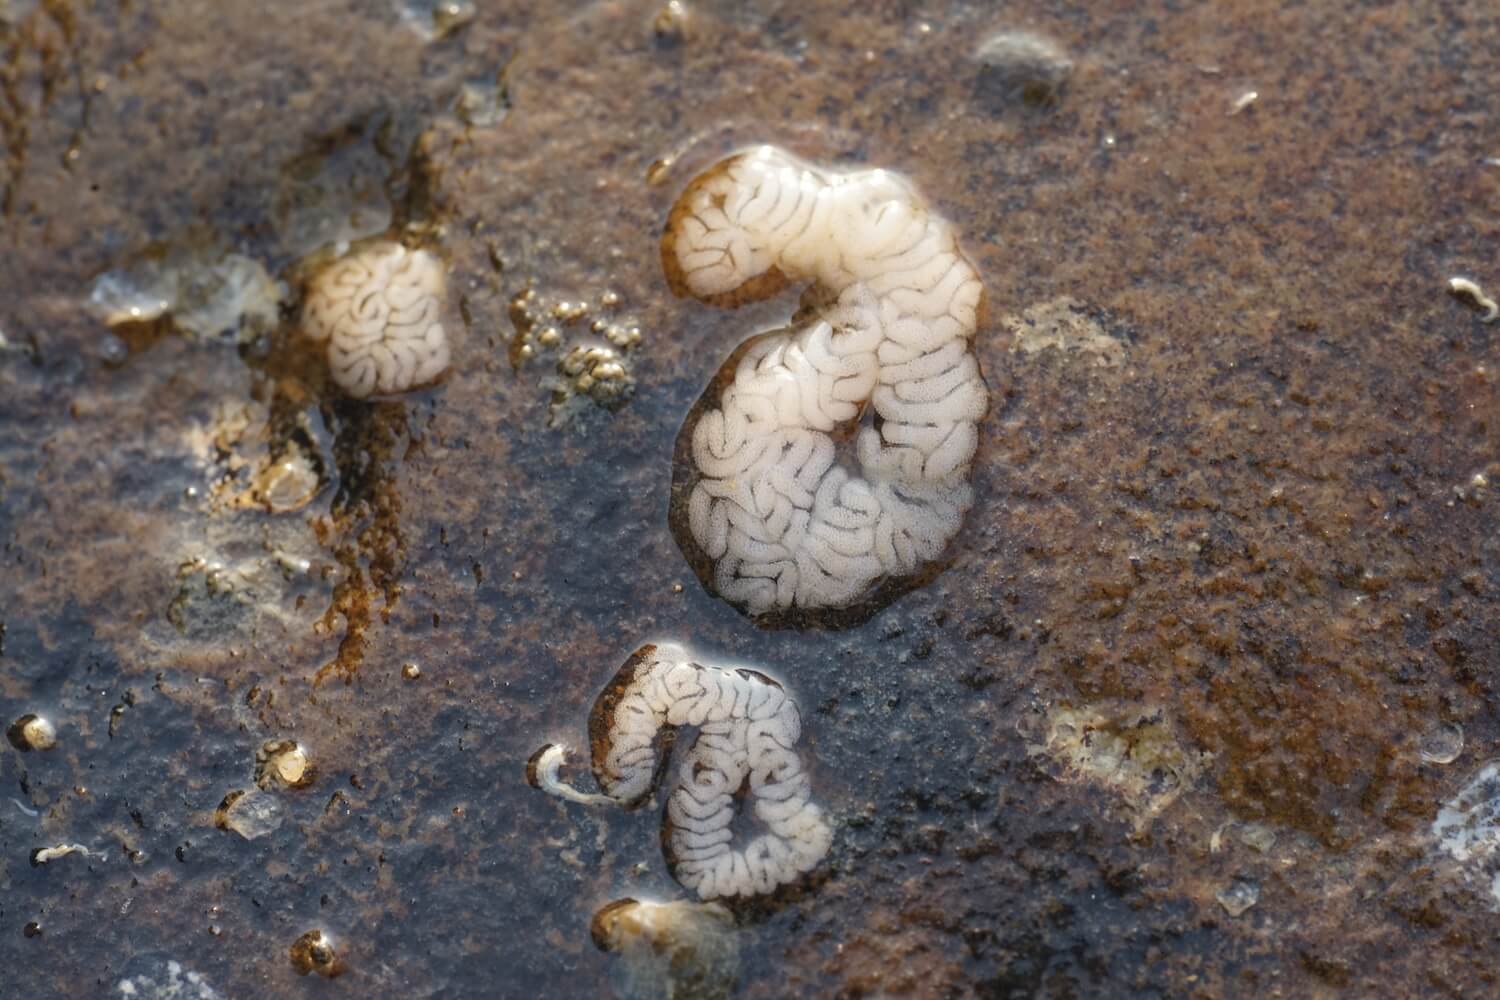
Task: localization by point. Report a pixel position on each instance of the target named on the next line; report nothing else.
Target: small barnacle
(450, 15)
(671, 23)
(250, 813)
(672, 949)
(594, 371)
(287, 484)
(379, 309)
(482, 102)
(1467, 828)
(1442, 743)
(570, 312)
(1022, 65)
(743, 758)
(314, 952)
(1238, 896)
(32, 732)
(660, 170)
(283, 762)
(622, 336)
(435, 19)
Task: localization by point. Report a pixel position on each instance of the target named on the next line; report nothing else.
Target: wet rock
(1270, 530)
(14, 11)
(333, 193)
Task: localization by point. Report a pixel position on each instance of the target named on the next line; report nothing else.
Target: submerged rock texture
(1235, 513)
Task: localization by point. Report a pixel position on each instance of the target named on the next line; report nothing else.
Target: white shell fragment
(1468, 825)
(380, 310)
(44, 855)
(1467, 829)
(1489, 309)
(748, 729)
(772, 520)
(156, 976)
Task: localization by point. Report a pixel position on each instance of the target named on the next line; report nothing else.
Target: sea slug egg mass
(748, 728)
(380, 310)
(763, 508)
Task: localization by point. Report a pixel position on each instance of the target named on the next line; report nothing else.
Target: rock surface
(1267, 527)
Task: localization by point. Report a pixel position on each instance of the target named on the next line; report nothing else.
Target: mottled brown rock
(1273, 522)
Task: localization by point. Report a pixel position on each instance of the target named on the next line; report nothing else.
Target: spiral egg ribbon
(380, 311)
(773, 522)
(748, 728)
